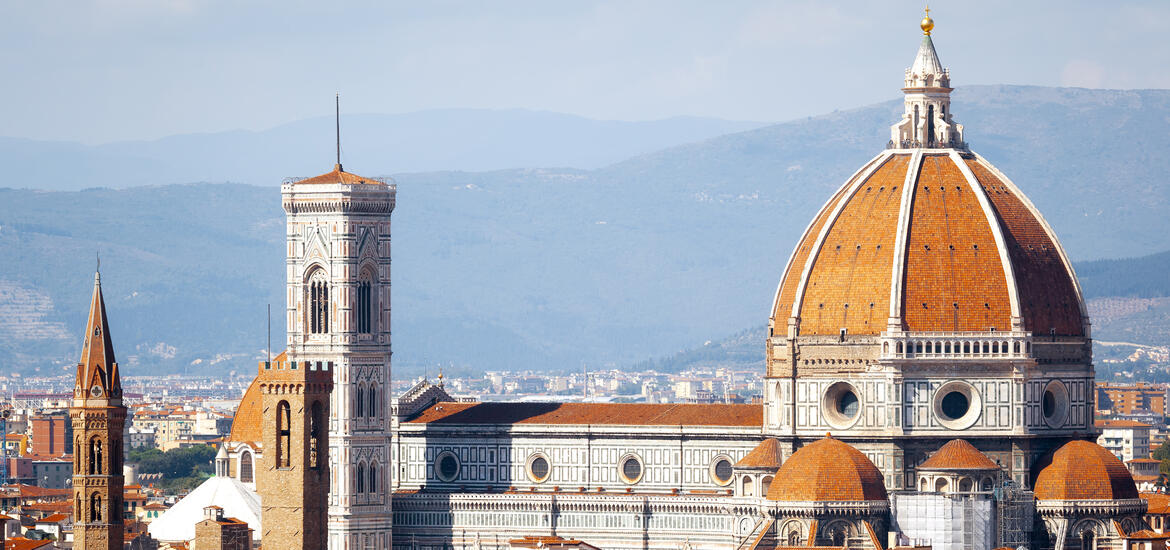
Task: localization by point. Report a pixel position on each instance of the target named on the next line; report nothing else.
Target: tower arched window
(361, 478)
(372, 402)
(283, 435)
(316, 434)
(95, 508)
(318, 302)
(373, 485)
(364, 308)
(359, 400)
(95, 456)
(246, 467)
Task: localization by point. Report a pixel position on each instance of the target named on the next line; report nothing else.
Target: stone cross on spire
(926, 122)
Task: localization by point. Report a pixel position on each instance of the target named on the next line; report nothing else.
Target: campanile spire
(97, 371)
(98, 419)
(926, 122)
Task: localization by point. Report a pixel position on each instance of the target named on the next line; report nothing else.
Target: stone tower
(98, 420)
(338, 292)
(293, 480)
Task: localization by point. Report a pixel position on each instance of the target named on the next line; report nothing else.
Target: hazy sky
(104, 70)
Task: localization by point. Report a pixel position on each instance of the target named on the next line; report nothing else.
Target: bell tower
(293, 481)
(98, 417)
(338, 292)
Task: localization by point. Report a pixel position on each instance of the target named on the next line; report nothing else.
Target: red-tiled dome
(961, 250)
(767, 454)
(1082, 470)
(827, 471)
(246, 423)
(958, 454)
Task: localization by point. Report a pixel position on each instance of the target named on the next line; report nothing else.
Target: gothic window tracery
(365, 302)
(318, 302)
(359, 407)
(372, 402)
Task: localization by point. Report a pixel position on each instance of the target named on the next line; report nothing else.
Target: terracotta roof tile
(767, 454)
(25, 544)
(958, 454)
(1048, 296)
(339, 176)
(954, 278)
(827, 470)
(246, 422)
(625, 414)
(1081, 470)
(849, 285)
(1120, 423)
(1157, 503)
(791, 278)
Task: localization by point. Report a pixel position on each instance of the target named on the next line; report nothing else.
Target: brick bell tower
(293, 480)
(98, 417)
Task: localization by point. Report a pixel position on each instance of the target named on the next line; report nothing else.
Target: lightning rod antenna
(337, 122)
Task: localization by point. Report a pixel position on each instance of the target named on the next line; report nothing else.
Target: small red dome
(827, 471)
(958, 454)
(1082, 470)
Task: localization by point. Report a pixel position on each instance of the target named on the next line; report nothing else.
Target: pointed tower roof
(97, 371)
(926, 62)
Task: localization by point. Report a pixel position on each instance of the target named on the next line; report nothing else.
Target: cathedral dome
(1082, 470)
(928, 237)
(828, 470)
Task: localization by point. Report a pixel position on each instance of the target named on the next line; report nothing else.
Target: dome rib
(854, 255)
(898, 270)
(815, 251)
(989, 211)
(953, 281)
(1070, 282)
(786, 290)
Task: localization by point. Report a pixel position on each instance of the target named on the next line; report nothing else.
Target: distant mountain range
(546, 268)
(444, 139)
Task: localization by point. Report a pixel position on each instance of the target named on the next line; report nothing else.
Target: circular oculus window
(447, 466)
(630, 468)
(1055, 404)
(841, 405)
(721, 471)
(538, 468)
(957, 405)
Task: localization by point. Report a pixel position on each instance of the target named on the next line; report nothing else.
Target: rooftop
(618, 414)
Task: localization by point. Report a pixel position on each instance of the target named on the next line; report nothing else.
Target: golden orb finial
(927, 23)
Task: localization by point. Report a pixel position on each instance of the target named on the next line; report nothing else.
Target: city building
(1129, 399)
(1127, 439)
